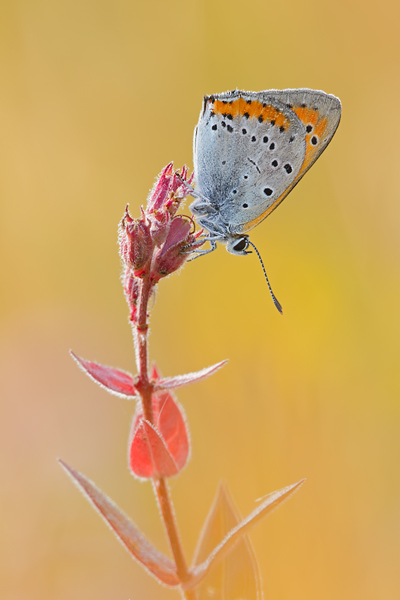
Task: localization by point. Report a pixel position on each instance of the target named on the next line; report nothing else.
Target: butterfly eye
(241, 245)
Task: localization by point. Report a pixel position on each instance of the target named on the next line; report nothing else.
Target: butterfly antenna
(276, 302)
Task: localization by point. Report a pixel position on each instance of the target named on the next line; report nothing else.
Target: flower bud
(160, 222)
(172, 255)
(136, 245)
(160, 193)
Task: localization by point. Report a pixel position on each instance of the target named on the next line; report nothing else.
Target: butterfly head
(238, 245)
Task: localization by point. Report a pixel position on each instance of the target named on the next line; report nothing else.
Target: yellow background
(96, 97)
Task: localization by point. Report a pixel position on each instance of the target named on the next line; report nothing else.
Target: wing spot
(253, 138)
(214, 128)
(245, 205)
(229, 116)
(245, 176)
(265, 139)
(268, 191)
(272, 122)
(246, 115)
(260, 119)
(274, 163)
(281, 129)
(272, 146)
(314, 140)
(244, 131)
(309, 128)
(230, 128)
(291, 139)
(288, 168)
(224, 162)
(234, 191)
(223, 124)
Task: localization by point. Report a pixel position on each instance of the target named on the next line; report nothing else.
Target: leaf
(236, 575)
(170, 422)
(115, 381)
(148, 454)
(181, 380)
(137, 545)
(269, 503)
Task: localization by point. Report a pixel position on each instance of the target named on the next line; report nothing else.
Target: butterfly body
(250, 150)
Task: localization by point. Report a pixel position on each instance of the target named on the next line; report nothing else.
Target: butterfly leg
(198, 253)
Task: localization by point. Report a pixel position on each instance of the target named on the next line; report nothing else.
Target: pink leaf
(171, 424)
(181, 380)
(269, 503)
(137, 545)
(115, 381)
(236, 575)
(170, 427)
(148, 455)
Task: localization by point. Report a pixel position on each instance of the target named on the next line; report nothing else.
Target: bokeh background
(96, 97)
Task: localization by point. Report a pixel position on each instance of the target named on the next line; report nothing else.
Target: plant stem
(144, 386)
(165, 503)
(145, 389)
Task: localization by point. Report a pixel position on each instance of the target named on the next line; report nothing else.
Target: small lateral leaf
(161, 567)
(148, 455)
(115, 381)
(236, 575)
(269, 503)
(181, 380)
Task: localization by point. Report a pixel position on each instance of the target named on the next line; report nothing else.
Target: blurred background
(96, 97)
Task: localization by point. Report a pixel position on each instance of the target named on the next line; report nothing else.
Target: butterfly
(250, 150)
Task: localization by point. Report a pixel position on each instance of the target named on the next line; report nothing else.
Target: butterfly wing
(252, 148)
(248, 149)
(320, 115)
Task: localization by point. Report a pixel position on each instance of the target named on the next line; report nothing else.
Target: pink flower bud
(160, 221)
(161, 190)
(172, 254)
(136, 245)
(176, 249)
(169, 190)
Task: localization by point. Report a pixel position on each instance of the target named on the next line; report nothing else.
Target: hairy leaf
(132, 538)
